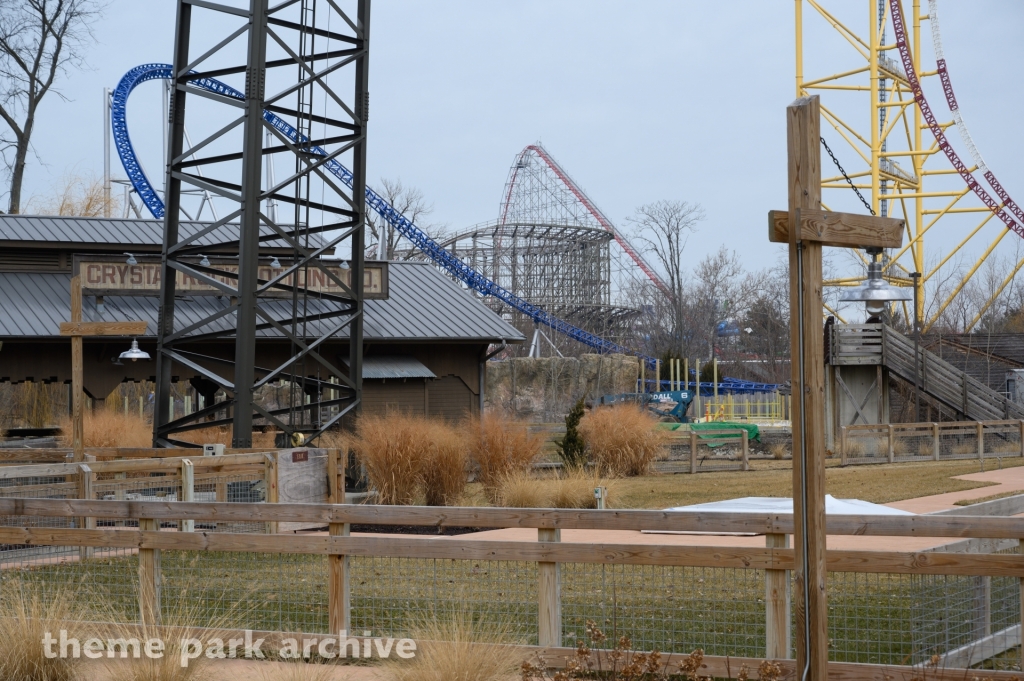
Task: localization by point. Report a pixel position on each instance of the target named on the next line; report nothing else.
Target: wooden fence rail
(1007, 436)
(549, 552)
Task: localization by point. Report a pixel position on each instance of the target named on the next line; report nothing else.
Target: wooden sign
(112, 276)
(846, 230)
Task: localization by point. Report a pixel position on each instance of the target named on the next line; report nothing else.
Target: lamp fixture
(205, 262)
(875, 293)
(134, 353)
(275, 263)
(131, 259)
(343, 264)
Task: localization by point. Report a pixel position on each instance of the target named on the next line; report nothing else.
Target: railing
(703, 453)
(887, 607)
(952, 440)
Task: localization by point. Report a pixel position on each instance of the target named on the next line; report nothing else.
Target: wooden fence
(548, 552)
(903, 442)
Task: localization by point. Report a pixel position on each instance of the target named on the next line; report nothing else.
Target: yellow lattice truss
(891, 156)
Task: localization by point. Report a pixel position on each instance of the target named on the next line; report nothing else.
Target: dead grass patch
(300, 670)
(778, 451)
(449, 650)
(28, 615)
(107, 428)
(222, 435)
(573, 488)
(623, 440)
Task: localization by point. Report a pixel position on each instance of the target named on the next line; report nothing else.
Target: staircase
(874, 344)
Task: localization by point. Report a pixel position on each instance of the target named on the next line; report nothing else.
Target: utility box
(213, 450)
(1015, 386)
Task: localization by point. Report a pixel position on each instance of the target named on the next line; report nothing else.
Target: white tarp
(833, 506)
(785, 505)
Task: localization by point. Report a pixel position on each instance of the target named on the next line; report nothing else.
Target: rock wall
(544, 389)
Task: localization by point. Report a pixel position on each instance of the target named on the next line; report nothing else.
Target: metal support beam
(313, 55)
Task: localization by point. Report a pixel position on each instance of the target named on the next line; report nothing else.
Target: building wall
(453, 393)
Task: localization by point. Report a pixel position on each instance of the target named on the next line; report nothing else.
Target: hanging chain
(852, 186)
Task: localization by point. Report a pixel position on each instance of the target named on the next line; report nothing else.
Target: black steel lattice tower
(300, 72)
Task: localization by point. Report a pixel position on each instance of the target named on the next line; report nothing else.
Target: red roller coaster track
(899, 28)
(581, 196)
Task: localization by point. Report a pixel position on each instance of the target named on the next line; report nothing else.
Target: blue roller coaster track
(443, 259)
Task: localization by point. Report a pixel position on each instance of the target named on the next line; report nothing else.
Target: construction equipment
(668, 404)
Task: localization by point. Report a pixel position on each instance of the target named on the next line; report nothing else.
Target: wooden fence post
(892, 443)
(85, 480)
(844, 439)
(188, 493)
(693, 452)
(981, 441)
(336, 462)
(149, 577)
(746, 460)
(549, 592)
(339, 604)
(777, 604)
(270, 481)
(935, 440)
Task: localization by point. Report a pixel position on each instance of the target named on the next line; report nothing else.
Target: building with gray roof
(424, 343)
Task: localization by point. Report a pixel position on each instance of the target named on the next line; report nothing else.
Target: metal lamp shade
(875, 292)
(134, 353)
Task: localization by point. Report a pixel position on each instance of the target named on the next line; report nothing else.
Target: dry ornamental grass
(28, 615)
(449, 649)
(574, 488)
(445, 457)
(106, 428)
(622, 440)
(388, 448)
(501, 446)
(409, 458)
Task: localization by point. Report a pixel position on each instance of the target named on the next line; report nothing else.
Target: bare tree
(39, 39)
(411, 204)
(81, 196)
(662, 229)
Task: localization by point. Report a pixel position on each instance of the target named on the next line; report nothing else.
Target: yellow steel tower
(891, 155)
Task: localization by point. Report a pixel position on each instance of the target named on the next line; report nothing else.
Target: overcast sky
(638, 100)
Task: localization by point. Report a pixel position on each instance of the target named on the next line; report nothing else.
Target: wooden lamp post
(806, 228)
(78, 329)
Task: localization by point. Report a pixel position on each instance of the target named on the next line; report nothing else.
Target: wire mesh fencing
(949, 441)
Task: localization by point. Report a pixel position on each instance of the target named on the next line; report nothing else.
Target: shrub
(444, 460)
(388, 448)
(501, 446)
(28, 616)
(778, 450)
(450, 650)
(622, 440)
(571, 448)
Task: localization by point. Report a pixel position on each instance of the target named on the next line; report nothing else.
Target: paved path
(1007, 480)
